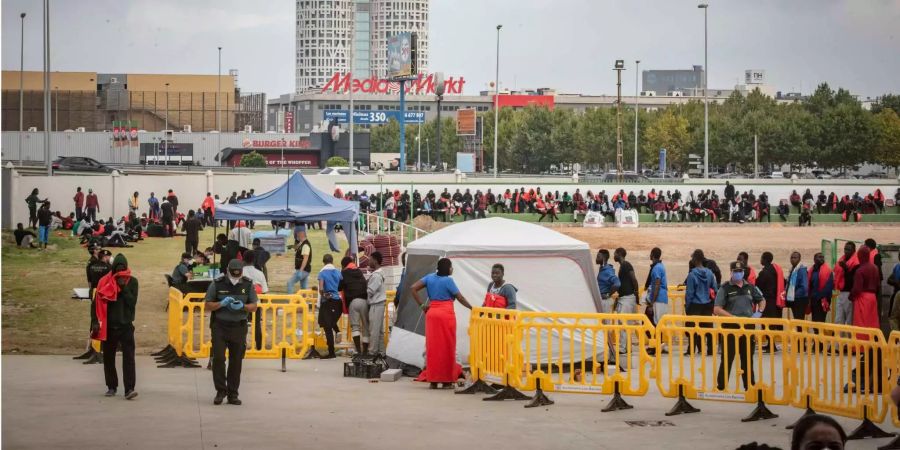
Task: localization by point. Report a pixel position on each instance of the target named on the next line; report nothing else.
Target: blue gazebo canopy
(295, 200)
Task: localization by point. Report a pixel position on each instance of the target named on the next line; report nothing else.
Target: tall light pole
(497, 100)
(705, 8)
(166, 147)
(636, 72)
(619, 67)
(47, 120)
(350, 90)
(21, 87)
(218, 93)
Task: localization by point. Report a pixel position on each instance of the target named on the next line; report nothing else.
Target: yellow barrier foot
(478, 387)
(312, 354)
(165, 355)
(539, 399)
(809, 411)
(166, 351)
(178, 361)
(893, 445)
(868, 429)
(86, 355)
(761, 412)
(682, 406)
(617, 403)
(95, 358)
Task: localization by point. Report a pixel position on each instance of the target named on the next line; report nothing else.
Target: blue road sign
(372, 117)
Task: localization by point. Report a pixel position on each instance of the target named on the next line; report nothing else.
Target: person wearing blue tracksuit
(700, 288)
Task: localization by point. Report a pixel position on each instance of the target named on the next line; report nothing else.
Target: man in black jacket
(192, 227)
(97, 267)
(119, 329)
(353, 285)
(767, 282)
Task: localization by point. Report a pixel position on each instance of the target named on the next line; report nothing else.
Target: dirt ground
(722, 242)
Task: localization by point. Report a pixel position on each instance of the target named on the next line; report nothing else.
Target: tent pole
(215, 234)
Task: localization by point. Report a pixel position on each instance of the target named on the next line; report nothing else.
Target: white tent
(552, 272)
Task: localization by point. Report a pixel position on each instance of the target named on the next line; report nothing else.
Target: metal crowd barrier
(491, 351)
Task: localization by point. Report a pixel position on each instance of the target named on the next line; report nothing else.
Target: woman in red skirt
(440, 325)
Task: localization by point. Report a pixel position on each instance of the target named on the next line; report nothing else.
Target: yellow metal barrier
(676, 299)
(490, 352)
(893, 355)
(725, 343)
(311, 297)
(579, 353)
(841, 369)
(286, 327)
(174, 310)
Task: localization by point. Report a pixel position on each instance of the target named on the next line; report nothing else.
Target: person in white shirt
(377, 297)
(241, 234)
(261, 287)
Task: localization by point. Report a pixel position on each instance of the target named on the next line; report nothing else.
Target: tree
(669, 131)
(887, 101)
(887, 131)
(253, 159)
(336, 161)
(385, 138)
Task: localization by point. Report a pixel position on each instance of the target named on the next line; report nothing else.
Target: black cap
(105, 252)
(186, 255)
(737, 265)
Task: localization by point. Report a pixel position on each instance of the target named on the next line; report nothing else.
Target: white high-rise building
(325, 29)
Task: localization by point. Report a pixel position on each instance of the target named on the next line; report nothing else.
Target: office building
(328, 31)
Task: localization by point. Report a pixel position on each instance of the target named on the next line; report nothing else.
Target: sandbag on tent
(553, 273)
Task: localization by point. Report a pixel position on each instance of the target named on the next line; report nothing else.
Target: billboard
(466, 122)
(289, 122)
(372, 117)
(754, 76)
(419, 84)
(400, 55)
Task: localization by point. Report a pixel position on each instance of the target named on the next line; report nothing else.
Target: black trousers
(696, 309)
(79, 211)
(190, 246)
(231, 336)
(818, 313)
(91, 214)
(329, 313)
(114, 337)
(744, 347)
(798, 308)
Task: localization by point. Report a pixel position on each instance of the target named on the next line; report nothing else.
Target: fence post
(540, 399)
(761, 412)
(617, 403)
(681, 406)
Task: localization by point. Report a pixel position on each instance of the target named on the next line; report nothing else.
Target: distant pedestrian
(153, 204)
(699, 296)
(45, 218)
(33, 200)
(192, 227)
(354, 287)
(79, 203)
(330, 308)
(92, 206)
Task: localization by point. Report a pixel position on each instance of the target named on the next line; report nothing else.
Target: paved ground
(54, 402)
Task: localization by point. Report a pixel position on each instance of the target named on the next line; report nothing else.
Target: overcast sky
(566, 44)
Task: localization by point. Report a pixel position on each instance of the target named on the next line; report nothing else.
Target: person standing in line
(261, 286)
(330, 306)
(113, 324)
(737, 298)
(98, 266)
(864, 295)
(821, 286)
(377, 298)
(750, 273)
(302, 264)
(45, 217)
(627, 303)
(230, 298)
(32, 201)
(191, 228)
(843, 282)
(92, 205)
(797, 293)
(79, 203)
(771, 283)
(440, 325)
(700, 286)
(876, 259)
(353, 285)
(656, 290)
(608, 284)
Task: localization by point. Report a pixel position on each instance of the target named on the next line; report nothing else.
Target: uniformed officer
(97, 267)
(231, 298)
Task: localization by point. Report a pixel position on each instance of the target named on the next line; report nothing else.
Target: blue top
(658, 272)
(699, 281)
(817, 292)
(800, 281)
(896, 272)
(330, 278)
(607, 280)
(440, 289)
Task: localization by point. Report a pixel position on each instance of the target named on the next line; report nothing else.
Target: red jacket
(92, 201)
(79, 199)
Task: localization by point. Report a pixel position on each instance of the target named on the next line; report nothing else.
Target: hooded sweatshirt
(117, 294)
(700, 281)
(865, 279)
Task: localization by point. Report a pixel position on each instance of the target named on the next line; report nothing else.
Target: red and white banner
(288, 122)
(373, 85)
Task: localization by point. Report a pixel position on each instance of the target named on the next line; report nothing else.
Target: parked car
(776, 175)
(340, 171)
(80, 164)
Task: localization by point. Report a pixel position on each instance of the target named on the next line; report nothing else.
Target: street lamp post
(636, 88)
(47, 120)
(56, 108)
(497, 99)
(705, 8)
(619, 67)
(166, 127)
(218, 93)
(21, 87)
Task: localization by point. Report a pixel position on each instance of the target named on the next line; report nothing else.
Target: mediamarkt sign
(421, 85)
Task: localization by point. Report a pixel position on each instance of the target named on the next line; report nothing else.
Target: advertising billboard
(754, 76)
(466, 122)
(372, 117)
(399, 55)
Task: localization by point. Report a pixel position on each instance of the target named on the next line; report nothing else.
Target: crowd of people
(666, 206)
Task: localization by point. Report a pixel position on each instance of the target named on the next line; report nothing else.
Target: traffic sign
(376, 117)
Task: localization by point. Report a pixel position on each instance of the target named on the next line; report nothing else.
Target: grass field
(40, 317)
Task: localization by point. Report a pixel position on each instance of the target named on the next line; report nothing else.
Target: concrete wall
(34, 81)
(191, 188)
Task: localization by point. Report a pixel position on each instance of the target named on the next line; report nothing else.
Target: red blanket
(107, 291)
(780, 299)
